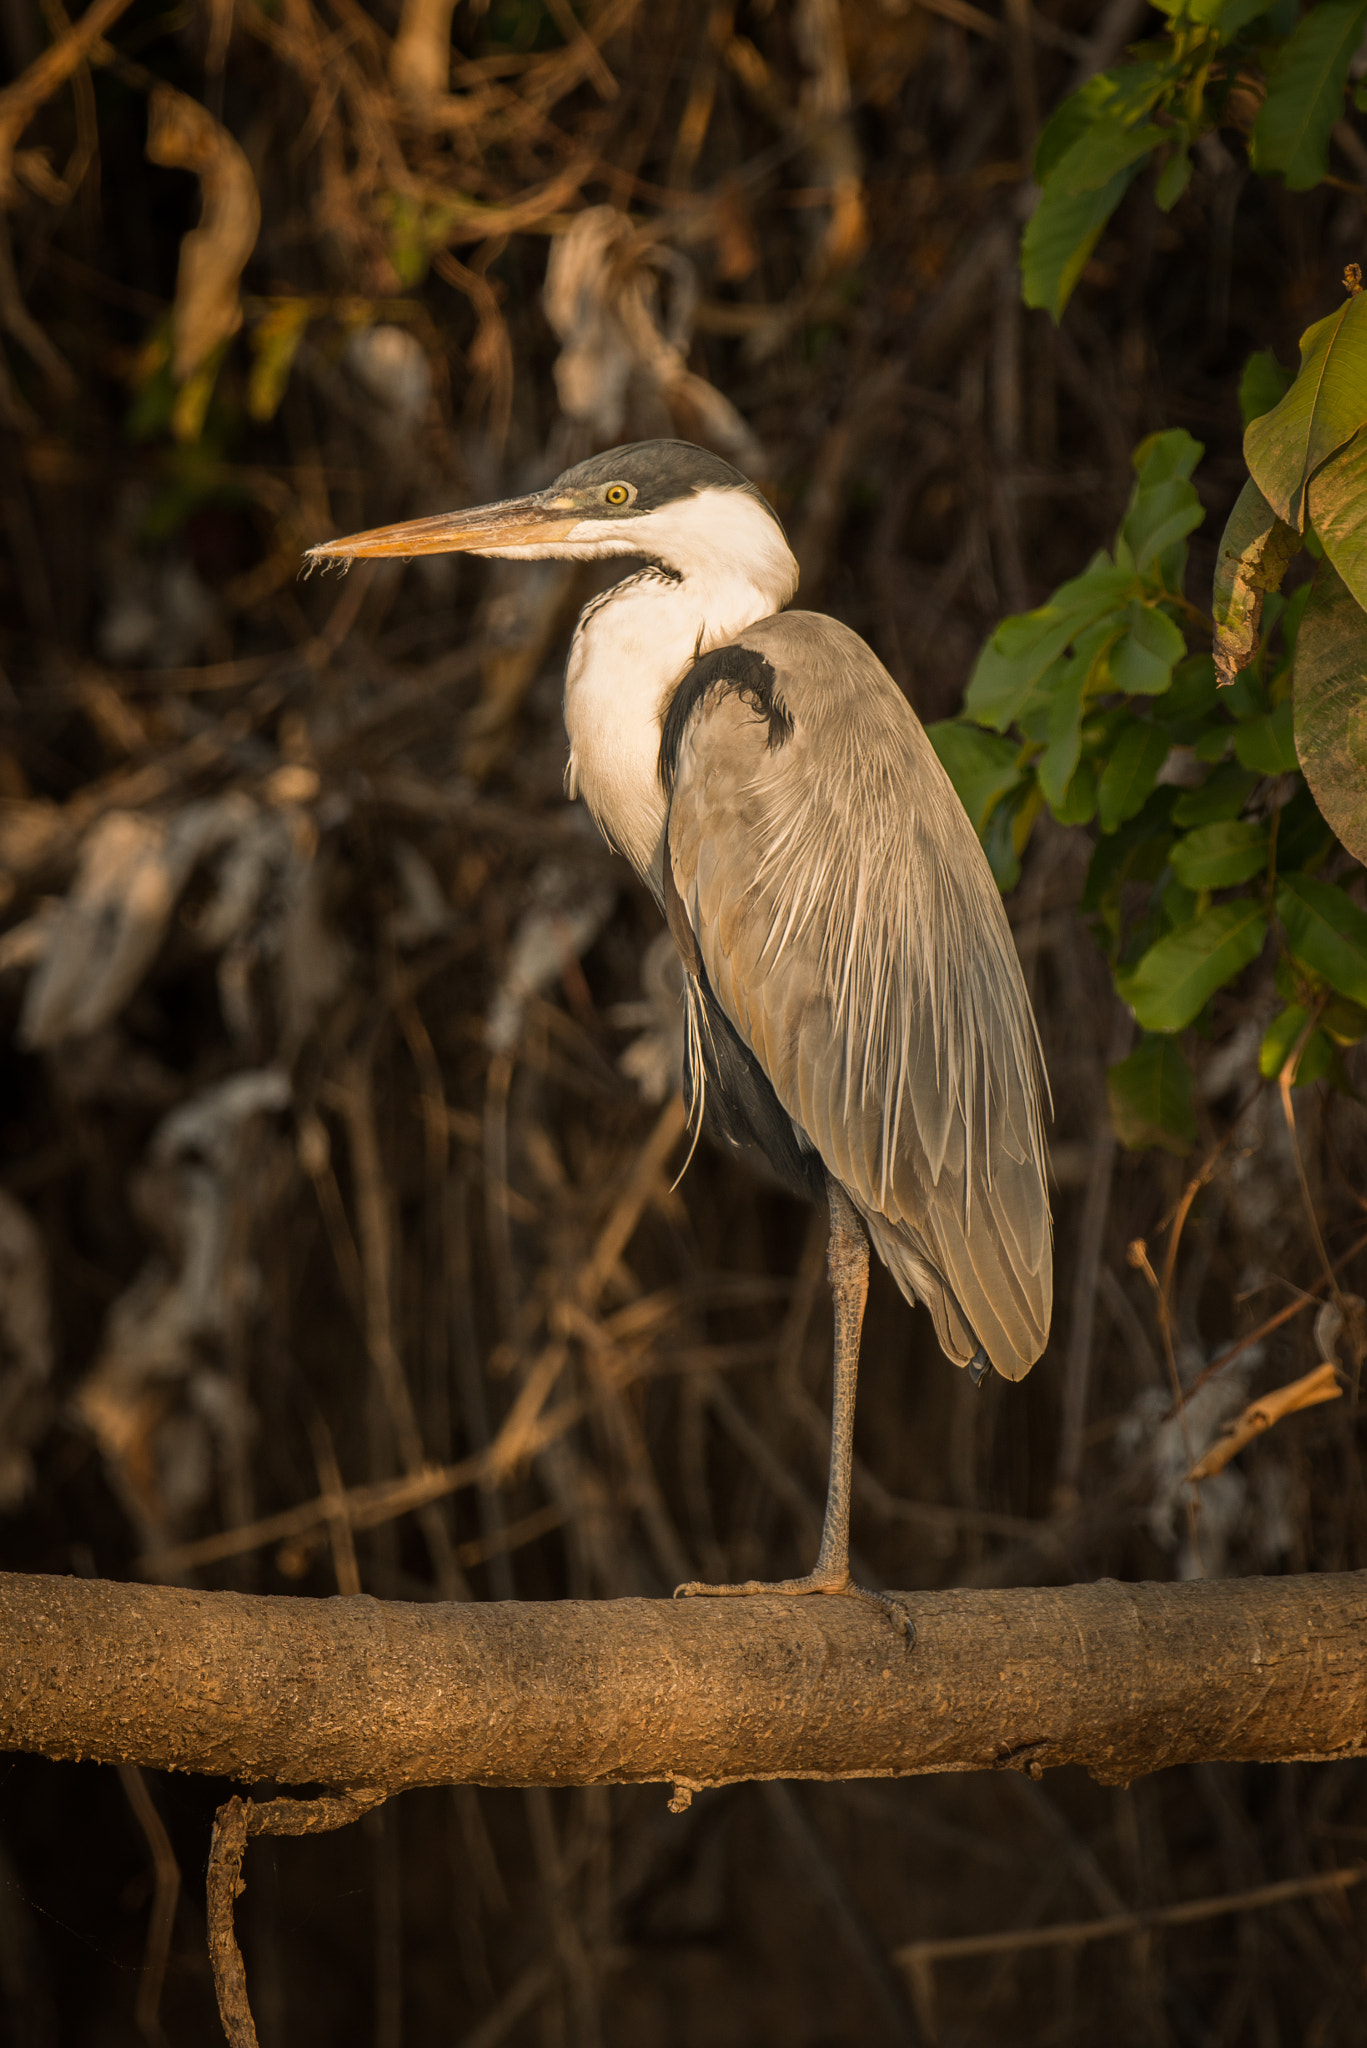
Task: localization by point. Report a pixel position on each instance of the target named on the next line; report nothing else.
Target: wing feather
(852, 934)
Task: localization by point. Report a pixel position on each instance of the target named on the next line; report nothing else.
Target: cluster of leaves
(1277, 76)
(1208, 839)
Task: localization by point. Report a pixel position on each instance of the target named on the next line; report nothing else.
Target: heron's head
(666, 501)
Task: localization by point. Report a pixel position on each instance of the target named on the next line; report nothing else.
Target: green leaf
(1326, 931)
(1228, 16)
(1060, 235)
(1267, 743)
(1136, 852)
(1345, 1022)
(1173, 181)
(1149, 1095)
(1305, 93)
(1142, 663)
(1078, 803)
(1056, 765)
(1130, 773)
(1103, 148)
(1222, 795)
(1219, 855)
(1176, 977)
(1331, 706)
(1159, 515)
(1304, 836)
(1336, 506)
(1190, 698)
(275, 340)
(1279, 1042)
(1256, 548)
(1324, 408)
(1023, 647)
(1263, 384)
(1172, 452)
(981, 766)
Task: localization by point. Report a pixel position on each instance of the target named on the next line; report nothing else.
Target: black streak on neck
(741, 670)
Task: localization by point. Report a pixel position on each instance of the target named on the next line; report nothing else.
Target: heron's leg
(847, 1262)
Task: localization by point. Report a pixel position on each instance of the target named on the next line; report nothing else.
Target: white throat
(717, 562)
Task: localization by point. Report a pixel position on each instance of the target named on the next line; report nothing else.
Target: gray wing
(850, 929)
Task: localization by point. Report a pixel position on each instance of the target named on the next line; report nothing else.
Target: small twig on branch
(234, 1822)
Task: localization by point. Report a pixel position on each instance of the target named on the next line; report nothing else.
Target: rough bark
(1122, 1679)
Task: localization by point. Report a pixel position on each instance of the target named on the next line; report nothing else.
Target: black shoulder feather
(742, 670)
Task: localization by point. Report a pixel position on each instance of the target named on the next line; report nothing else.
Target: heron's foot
(818, 1581)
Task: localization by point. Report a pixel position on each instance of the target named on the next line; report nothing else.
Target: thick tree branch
(1122, 1679)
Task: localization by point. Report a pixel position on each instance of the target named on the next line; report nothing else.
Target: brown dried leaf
(182, 135)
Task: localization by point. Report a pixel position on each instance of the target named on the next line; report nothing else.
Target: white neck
(718, 562)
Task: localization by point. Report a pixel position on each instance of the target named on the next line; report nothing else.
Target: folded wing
(847, 925)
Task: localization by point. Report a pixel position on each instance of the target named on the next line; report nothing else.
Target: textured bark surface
(1122, 1679)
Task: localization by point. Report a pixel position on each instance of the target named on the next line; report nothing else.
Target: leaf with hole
(1177, 976)
(1256, 549)
(1326, 930)
(1149, 1096)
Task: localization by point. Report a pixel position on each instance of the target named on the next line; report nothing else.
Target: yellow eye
(617, 494)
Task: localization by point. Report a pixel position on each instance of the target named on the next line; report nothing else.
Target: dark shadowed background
(337, 1112)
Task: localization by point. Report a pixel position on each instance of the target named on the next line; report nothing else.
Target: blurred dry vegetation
(337, 1242)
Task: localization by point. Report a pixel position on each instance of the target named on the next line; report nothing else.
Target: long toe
(839, 1583)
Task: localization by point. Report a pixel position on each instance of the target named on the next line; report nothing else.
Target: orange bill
(483, 530)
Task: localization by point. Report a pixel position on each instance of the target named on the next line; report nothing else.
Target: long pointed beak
(539, 520)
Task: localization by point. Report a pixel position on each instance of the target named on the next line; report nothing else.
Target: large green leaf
(1305, 93)
(1331, 706)
(1255, 551)
(1061, 234)
(981, 766)
(1182, 971)
(1336, 506)
(1149, 1095)
(1219, 855)
(1324, 408)
(1326, 932)
(1130, 773)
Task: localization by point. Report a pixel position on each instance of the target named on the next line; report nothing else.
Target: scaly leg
(847, 1262)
